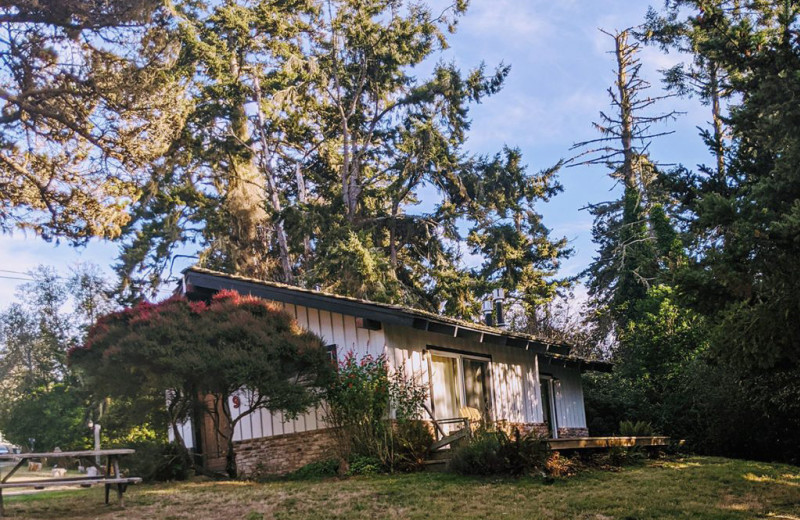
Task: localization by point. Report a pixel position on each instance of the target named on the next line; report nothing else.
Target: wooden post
(118, 475)
(108, 473)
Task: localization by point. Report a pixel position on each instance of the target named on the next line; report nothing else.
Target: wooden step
(453, 437)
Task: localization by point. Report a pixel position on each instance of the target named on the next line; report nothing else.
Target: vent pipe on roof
(498, 295)
(487, 312)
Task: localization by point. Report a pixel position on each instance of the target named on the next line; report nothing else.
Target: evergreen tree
(86, 104)
(317, 104)
(744, 220)
(633, 233)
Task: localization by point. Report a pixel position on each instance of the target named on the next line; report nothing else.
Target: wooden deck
(599, 443)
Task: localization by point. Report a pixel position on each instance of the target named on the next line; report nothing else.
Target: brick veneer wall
(524, 428)
(566, 433)
(283, 454)
(542, 429)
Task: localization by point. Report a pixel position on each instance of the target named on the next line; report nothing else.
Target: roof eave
(194, 278)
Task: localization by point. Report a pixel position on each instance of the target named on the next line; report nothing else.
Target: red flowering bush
(190, 349)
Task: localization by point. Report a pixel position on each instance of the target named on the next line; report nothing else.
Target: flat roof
(204, 282)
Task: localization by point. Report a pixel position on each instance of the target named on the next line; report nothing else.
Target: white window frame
(462, 386)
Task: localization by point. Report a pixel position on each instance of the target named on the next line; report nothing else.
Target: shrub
(365, 465)
(636, 429)
(621, 456)
(412, 444)
(559, 466)
(523, 453)
(359, 405)
(320, 469)
(481, 456)
(156, 461)
(493, 452)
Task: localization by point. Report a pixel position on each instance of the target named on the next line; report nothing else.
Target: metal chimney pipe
(498, 295)
(487, 312)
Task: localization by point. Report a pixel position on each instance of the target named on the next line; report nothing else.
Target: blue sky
(560, 70)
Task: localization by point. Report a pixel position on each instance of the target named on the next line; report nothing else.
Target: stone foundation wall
(524, 428)
(567, 433)
(283, 454)
(541, 429)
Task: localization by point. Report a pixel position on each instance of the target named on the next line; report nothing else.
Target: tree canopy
(86, 106)
(307, 149)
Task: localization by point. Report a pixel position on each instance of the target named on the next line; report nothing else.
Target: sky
(560, 71)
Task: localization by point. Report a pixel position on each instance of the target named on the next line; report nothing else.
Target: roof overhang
(203, 283)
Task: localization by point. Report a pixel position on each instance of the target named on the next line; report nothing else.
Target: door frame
(549, 380)
(460, 355)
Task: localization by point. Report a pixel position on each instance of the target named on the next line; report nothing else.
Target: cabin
(513, 379)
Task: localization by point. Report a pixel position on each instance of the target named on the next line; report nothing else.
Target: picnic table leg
(13, 470)
(117, 474)
(108, 472)
(2, 512)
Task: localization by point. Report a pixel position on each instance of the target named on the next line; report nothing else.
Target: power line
(15, 272)
(16, 278)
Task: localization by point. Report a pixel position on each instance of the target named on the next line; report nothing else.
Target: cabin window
(445, 382)
(332, 353)
(457, 381)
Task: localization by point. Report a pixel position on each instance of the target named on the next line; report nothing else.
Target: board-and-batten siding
(570, 412)
(516, 394)
(334, 328)
(515, 372)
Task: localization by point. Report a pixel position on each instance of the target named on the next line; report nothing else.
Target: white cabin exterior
(514, 379)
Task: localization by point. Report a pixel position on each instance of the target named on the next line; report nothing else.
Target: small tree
(201, 354)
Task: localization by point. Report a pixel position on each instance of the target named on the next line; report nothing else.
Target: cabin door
(549, 406)
(476, 385)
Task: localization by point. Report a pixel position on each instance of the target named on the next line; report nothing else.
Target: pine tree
(86, 104)
(632, 232)
(321, 109)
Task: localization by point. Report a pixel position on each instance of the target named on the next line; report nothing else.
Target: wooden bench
(109, 479)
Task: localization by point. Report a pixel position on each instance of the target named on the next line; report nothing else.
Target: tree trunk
(272, 188)
(302, 196)
(719, 129)
(625, 109)
(393, 235)
(181, 444)
(244, 199)
(230, 455)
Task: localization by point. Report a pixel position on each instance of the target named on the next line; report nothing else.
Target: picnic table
(112, 463)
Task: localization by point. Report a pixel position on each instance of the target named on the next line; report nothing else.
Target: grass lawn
(695, 487)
